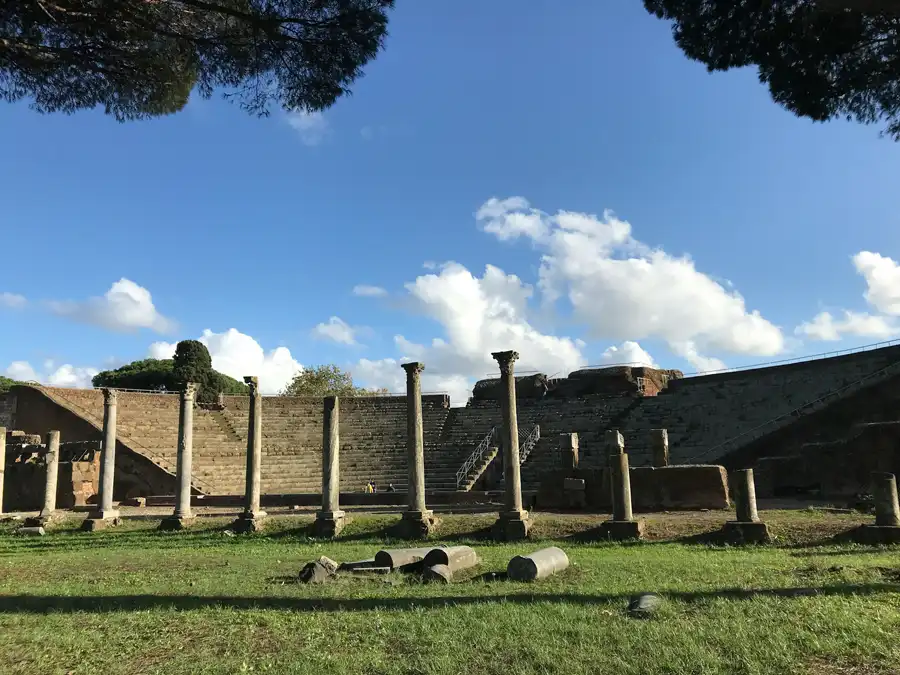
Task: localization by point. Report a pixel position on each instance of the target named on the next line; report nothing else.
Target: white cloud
(478, 315)
(826, 328)
(126, 306)
(336, 330)
(65, 375)
(12, 300)
(882, 275)
(366, 291)
(312, 127)
(629, 353)
(237, 355)
(704, 364)
(624, 290)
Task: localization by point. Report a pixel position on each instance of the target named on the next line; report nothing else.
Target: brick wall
(8, 410)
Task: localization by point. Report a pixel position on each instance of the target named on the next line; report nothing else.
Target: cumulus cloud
(12, 300)
(704, 364)
(629, 353)
(624, 290)
(478, 315)
(126, 306)
(237, 354)
(311, 127)
(366, 291)
(826, 328)
(336, 330)
(882, 277)
(65, 375)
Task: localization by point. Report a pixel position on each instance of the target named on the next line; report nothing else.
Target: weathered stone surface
(644, 605)
(621, 487)
(400, 557)
(537, 565)
(329, 524)
(140, 502)
(249, 522)
(744, 490)
(737, 533)
(328, 564)
(659, 445)
(417, 513)
(369, 570)
(884, 490)
(512, 527)
(36, 531)
(679, 487)
(94, 524)
(416, 525)
(438, 574)
(513, 523)
(622, 530)
(568, 451)
(456, 558)
(173, 523)
(330, 520)
(314, 573)
(357, 565)
(874, 535)
(614, 441)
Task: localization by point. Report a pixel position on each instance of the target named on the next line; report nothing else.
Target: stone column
(887, 510)
(568, 450)
(615, 442)
(747, 528)
(417, 521)
(330, 520)
(513, 522)
(105, 514)
(623, 524)
(51, 457)
(2, 463)
(659, 442)
(251, 519)
(183, 516)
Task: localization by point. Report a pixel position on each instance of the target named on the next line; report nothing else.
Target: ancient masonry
(820, 427)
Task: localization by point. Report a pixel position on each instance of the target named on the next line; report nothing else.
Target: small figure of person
(374, 487)
(391, 488)
(369, 489)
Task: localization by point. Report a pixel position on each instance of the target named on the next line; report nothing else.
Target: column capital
(190, 390)
(413, 369)
(506, 360)
(110, 396)
(252, 382)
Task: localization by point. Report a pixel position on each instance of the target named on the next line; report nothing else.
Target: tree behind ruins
(326, 380)
(142, 58)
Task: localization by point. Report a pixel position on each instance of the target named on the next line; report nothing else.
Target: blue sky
(701, 224)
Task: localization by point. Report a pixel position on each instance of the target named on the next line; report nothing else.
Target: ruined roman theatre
(819, 427)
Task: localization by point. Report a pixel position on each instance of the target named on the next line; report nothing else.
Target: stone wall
(672, 488)
(8, 410)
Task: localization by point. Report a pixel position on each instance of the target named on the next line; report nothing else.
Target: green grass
(135, 601)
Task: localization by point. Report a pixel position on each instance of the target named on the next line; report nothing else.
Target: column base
(735, 532)
(249, 522)
(100, 520)
(417, 524)
(876, 534)
(512, 526)
(42, 520)
(176, 523)
(329, 523)
(622, 530)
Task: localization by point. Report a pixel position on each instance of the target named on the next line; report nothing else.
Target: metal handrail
(526, 446)
(473, 459)
(129, 441)
(798, 409)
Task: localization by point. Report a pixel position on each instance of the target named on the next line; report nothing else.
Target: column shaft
(884, 489)
(252, 491)
(513, 479)
(52, 459)
(108, 457)
(621, 487)
(331, 483)
(659, 440)
(415, 444)
(185, 452)
(744, 490)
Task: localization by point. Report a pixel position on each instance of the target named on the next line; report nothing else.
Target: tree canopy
(326, 380)
(821, 59)
(6, 383)
(189, 365)
(143, 58)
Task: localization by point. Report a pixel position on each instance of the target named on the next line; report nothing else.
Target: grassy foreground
(133, 601)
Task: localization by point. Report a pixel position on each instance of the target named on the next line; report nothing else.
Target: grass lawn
(134, 601)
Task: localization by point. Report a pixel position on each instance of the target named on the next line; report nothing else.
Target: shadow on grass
(47, 604)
